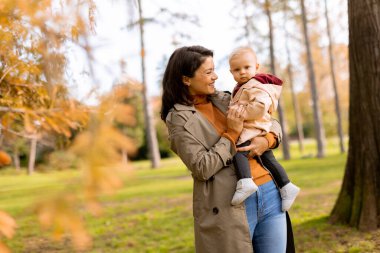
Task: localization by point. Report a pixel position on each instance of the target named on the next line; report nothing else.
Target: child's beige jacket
(261, 100)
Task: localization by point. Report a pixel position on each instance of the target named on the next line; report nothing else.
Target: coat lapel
(201, 129)
(221, 100)
(198, 126)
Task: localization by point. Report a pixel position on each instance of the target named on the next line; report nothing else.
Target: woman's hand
(258, 146)
(235, 118)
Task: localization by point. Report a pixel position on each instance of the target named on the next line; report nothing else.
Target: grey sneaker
(244, 188)
(288, 194)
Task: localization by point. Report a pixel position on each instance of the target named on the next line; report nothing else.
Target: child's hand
(236, 111)
(258, 146)
(240, 109)
(243, 109)
(235, 118)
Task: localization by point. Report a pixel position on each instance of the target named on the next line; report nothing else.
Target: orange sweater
(219, 121)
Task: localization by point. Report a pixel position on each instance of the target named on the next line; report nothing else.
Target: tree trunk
(16, 158)
(281, 113)
(247, 33)
(154, 153)
(32, 155)
(297, 113)
(124, 157)
(358, 203)
(318, 124)
(336, 95)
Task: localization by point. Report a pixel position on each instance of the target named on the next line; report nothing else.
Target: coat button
(215, 210)
(229, 161)
(211, 178)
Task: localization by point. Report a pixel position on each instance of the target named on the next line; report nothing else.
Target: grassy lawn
(153, 211)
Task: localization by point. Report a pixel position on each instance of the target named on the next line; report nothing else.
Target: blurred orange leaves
(99, 150)
(5, 159)
(35, 101)
(60, 215)
(7, 225)
(7, 229)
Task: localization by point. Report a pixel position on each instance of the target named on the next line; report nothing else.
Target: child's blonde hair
(240, 50)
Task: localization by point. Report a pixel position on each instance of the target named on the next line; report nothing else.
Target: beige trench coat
(218, 226)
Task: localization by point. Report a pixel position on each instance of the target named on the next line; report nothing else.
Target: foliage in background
(32, 92)
(98, 151)
(35, 105)
(136, 132)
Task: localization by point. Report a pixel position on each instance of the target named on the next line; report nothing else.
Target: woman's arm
(201, 162)
(260, 144)
(276, 130)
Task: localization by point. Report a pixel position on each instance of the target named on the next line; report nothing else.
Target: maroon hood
(268, 79)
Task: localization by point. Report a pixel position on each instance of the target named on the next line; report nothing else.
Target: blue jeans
(267, 223)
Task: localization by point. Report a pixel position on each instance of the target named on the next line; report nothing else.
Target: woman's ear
(257, 66)
(186, 80)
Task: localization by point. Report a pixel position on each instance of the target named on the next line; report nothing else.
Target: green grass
(153, 211)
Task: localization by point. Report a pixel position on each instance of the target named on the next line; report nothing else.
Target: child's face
(243, 66)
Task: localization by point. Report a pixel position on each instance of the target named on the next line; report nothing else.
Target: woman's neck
(199, 99)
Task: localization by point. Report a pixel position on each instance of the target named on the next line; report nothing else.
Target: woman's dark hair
(183, 62)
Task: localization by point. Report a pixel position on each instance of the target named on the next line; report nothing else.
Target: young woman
(203, 134)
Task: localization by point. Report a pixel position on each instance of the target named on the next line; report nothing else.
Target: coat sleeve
(277, 131)
(203, 163)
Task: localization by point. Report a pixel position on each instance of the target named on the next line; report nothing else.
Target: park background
(85, 161)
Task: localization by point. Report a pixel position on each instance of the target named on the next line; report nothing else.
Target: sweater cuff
(271, 138)
(231, 135)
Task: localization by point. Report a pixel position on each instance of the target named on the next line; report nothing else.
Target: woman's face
(203, 82)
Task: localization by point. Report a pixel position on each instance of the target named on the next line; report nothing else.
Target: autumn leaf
(5, 159)
(7, 225)
(74, 33)
(125, 114)
(4, 248)
(29, 128)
